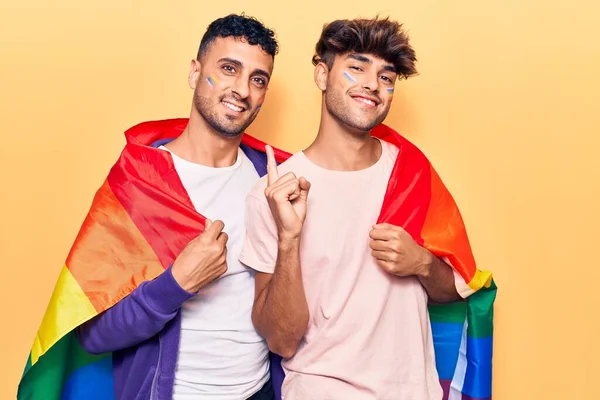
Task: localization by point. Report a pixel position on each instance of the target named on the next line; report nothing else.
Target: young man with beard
(343, 278)
(157, 257)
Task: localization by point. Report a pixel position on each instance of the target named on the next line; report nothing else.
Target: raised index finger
(272, 174)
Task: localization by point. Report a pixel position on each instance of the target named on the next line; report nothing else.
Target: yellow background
(506, 106)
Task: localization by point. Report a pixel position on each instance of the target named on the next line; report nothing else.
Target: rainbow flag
(417, 200)
(118, 247)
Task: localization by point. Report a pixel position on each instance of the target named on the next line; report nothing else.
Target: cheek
(260, 101)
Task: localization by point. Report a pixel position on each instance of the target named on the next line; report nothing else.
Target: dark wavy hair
(240, 26)
(382, 38)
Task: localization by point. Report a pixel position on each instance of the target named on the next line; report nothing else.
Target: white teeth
(233, 107)
(365, 101)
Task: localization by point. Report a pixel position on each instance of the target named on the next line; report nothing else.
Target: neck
(201, 144)
(338, 147)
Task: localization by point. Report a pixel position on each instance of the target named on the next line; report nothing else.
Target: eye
(387, 78)
(260, 81)
(229, 68)
(356, 68)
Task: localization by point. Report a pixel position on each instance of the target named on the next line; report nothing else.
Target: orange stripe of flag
(444, 232)
(110, 257)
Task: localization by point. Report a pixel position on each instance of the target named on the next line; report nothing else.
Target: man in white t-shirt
(188, 334)
(341, 298)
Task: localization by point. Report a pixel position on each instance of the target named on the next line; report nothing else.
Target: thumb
(213, 230)
(207, 224)
(304, 188)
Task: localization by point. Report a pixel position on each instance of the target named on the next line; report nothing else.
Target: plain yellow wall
(506, 106)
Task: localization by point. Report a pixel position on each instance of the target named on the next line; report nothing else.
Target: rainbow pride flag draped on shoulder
(417, 200)
(118, 247)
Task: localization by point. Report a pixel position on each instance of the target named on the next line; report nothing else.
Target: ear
(195, 72)
(321, 74)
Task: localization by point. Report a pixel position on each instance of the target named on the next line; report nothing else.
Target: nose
(370, 82)
(241, 87)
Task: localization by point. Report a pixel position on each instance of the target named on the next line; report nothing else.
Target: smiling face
(230, 83)
(358, 89)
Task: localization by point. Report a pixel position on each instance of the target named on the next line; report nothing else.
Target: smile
(365, 101)
(232, 107)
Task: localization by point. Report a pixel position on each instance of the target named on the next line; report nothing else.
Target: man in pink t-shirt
(342, 300)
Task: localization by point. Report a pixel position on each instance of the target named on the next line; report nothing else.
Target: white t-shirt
(221, 356)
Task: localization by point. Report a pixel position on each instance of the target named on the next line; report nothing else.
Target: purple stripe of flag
(465, 397)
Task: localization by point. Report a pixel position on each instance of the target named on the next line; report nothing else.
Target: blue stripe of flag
(446, 342)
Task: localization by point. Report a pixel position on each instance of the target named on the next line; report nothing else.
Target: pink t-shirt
(369, 335)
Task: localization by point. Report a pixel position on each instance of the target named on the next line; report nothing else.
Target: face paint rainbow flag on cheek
(212, 81)
(390, 91)
(349, 77)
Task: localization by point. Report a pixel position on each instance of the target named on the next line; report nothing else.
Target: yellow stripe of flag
(69, 307)
(481, 279)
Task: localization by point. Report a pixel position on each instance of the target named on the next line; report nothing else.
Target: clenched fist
(203, 260)
(397, 252)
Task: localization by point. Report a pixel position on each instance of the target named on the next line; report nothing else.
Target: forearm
(281, 312)
(438, 280)
(134, 319)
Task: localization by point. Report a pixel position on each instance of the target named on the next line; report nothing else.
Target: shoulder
(403, 147)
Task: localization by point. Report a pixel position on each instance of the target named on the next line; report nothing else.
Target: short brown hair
(381, 37)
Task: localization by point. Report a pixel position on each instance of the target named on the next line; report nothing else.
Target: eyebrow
(361, 58)
(240, 65)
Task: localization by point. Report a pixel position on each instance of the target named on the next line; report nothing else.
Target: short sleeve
(259, 251)
(462, 287)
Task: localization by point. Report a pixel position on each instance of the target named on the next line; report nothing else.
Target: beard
(224, 125)
(338, 106)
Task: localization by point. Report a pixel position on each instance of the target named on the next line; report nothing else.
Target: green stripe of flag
(478, 309)
(45, 379)
(451, 312)
(480, 312)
